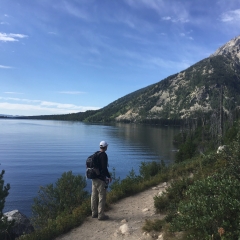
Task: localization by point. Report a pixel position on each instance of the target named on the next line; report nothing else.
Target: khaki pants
(98, 197)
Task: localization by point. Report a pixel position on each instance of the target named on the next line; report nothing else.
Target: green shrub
(62, 224)
(210, 204)
(127, 186)
(150, 169)
(232, 155)
(186, 150)
(171, 197)
(5, 225)
(153, 225)
(63, 197)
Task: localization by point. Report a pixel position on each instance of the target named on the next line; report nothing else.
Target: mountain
(190, 93)
(5, 116)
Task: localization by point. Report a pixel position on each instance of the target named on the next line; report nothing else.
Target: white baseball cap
(103, 144)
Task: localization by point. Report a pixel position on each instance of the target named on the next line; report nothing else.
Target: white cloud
(75, 11)
(166, 18)
(176, 20)
(177, 12)
(156, 5)
(5, 67)
(231, 16)
(186, 36)
(19, 99)
(39, 110)
(163, 63)
(13, 93)
(11, 37)
(38, 107)
(61, 105)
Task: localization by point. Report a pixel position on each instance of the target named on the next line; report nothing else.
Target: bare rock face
(22, 223)
(231, 48)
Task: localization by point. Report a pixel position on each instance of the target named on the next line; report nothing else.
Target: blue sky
(59, 56)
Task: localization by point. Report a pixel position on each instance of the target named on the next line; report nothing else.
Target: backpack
(92, 166)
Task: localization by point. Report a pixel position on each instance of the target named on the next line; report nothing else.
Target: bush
(5, 225)
(186, 151)
(150, 169)
(153, 225)
(61, 198)
(210, 204)
(170, 199)
(127, 186)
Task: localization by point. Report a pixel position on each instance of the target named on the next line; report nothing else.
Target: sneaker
(94, 216)
(103, 218)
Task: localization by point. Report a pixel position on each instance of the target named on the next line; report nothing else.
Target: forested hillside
(202, 89)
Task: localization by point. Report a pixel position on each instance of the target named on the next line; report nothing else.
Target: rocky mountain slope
(190, 93)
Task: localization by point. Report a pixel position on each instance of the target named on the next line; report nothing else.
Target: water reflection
(151, 138)
(35, 153)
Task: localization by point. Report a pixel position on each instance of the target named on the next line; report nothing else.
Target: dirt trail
(126, 219)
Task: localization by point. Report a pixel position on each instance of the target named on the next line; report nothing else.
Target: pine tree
(5, 225)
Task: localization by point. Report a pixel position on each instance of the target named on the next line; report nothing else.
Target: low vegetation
(58, 200)
(202, 202)
(5, 225)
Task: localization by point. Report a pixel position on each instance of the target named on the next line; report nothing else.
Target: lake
(35, 153)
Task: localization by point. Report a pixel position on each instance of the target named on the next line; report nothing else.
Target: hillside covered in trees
(202, 89)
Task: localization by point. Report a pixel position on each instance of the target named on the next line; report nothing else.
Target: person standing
(99, 190)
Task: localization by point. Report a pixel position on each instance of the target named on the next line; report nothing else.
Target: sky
(68, 56)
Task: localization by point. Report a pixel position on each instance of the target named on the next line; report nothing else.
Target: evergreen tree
(5, 225)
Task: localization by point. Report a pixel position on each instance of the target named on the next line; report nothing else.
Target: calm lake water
(35, 153)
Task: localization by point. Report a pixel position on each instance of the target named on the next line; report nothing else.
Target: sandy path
(126, 219)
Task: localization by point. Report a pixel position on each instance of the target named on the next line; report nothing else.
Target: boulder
(221, 148)
(124, 229)
(22, 223)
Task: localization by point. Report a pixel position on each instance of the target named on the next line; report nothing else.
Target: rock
(22, 223)
(160, 237)
(116, 233)
(145, 209)
(124, 229)
(155, 188)
(124, 221)
(191, 175)
(160, 193)
(163, 185)
(221, 148)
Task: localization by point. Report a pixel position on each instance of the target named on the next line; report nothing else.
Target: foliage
(58, 199)
(188, 94)
(5, 225)
(231, 153)
(186, 150)
(207, 205)
(211, 203)
(60, 225)
(134, 183)
(170, 199)
(127, 185)
(150, 169)
(202, 200)
(155, 225)
(64, 222)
